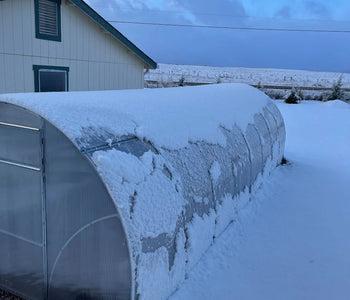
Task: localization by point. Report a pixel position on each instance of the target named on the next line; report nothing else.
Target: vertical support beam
(43, 210)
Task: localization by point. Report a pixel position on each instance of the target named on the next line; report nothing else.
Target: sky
(317, 51)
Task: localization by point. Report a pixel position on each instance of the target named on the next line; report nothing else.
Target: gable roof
(150, 63)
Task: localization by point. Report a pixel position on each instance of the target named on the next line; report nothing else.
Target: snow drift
(178, 164)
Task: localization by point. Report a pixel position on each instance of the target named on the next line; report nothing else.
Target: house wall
(97, 60)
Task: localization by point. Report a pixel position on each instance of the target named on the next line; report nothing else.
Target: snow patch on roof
(169, 118)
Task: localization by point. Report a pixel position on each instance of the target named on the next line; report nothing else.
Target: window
(50, 78)
(48, 19)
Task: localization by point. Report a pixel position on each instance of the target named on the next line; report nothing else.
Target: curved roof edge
(169, 118)
(151, 64)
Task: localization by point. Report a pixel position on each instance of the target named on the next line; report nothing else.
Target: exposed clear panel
(277, 114)
(240, 159)
(134, 146)
(16, 115)
(265, 137)
(20, 145)
(76, 199)
(280, 126)
(20, 202)
(194, 163)
(21, 267)
(93, 265)
(216, 154)
(95, 140)
(193, 169)
(253, 140)
(271, 123)
(21, 239)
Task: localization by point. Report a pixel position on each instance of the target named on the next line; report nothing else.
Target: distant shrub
(309, 97)
(274, 94)
(218, 80)
(259, 86)
(293, 97)
(163, 84)
(321, 97)
(337, 91)
(182, 80)
(347, 97)
(300, 94)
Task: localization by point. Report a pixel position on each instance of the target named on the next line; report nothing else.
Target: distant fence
(289, 87)
(157, 84)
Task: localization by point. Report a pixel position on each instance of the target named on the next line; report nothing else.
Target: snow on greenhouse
(119, 193)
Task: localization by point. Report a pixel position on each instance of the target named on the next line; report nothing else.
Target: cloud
(214, 12)
(284, 12)
(317, 9)
(143, 11)
(220, 47)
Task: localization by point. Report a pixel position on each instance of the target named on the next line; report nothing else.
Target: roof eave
(149, 63)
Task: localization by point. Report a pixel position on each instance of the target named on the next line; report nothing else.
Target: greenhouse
(117, 194)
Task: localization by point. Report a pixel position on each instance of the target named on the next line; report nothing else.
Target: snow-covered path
(293, 240)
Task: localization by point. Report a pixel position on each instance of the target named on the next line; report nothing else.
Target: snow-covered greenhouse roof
(168, 118)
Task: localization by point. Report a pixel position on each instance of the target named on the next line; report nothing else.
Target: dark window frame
(49, 37)
(38, 68)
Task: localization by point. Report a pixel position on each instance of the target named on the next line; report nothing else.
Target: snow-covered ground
(292, 241)
(167, 73)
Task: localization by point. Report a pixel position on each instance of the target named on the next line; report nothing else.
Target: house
(64, 45)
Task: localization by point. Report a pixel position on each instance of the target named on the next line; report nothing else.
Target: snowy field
(166, 73)
(293, 240)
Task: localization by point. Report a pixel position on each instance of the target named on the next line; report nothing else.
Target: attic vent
(48, 17)
(47, 13)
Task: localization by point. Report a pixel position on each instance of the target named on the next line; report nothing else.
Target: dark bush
(182, 80)
(293, 98)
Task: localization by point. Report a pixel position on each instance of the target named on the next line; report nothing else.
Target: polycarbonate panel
(220, 155)
(265, 137)
(271, 123)
(280, 127)
(93, 265)
(253, 140)
(78, 248)
(22, 254)
(20, 145)
(21, 267)
(195, 178)
(20, 202)
(240, 159)
(17, 115)
(134, 146)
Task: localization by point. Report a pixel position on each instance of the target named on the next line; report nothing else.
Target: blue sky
(237, 48)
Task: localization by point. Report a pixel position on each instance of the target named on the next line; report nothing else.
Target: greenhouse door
(22, 213)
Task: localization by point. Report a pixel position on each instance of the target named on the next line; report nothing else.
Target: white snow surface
(168, 118)
(215, 171)
(200, 235)
(292, 240)
(166, 73)
(154, 201)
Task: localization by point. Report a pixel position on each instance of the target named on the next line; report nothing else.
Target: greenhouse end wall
(60, 234)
